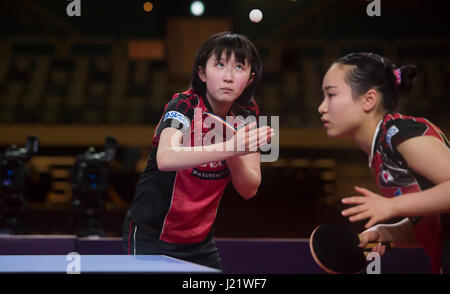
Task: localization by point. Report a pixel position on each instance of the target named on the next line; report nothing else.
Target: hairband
(398, 76)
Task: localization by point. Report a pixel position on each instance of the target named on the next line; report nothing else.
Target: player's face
(225, 79)
(342, 115)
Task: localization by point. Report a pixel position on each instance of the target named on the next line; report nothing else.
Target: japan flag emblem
(386, 176)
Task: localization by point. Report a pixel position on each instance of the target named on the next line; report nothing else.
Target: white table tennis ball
(255, 15)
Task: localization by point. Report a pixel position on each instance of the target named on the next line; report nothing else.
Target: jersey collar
(372, 150)
(208, 106)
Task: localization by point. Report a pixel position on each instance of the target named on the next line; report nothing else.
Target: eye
(219, 65)
(240, 67)
(327, 95)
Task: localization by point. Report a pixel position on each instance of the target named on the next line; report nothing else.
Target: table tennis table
(74, 263)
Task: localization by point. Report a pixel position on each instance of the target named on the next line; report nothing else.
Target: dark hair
(374, 71)
(242, 48)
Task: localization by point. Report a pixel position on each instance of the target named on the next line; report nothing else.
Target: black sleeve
(178, 114)
(403, 129)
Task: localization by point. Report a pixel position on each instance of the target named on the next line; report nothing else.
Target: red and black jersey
(395, 177)
(180, 206)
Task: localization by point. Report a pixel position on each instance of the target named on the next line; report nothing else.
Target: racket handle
(389, 245)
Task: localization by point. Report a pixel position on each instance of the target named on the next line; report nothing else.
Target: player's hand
(249, 138)
(372, 236)
(370, 206)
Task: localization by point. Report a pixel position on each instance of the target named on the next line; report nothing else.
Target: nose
(228, 75)
(323, 108)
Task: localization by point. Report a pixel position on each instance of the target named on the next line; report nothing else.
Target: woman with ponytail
(410, 156)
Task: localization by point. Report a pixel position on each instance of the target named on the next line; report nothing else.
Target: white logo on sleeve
(391, 133)
(178, 117)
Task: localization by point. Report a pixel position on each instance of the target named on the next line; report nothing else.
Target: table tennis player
(176, 200)
(410, 156)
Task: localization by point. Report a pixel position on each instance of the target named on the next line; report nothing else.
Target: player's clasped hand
(249, 138)
(369, 206)
(370, 237)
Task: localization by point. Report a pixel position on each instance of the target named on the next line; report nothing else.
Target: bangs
(233, 44)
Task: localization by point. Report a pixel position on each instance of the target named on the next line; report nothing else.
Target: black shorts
(137, 241)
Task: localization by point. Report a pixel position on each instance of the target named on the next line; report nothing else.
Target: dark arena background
(91, 88)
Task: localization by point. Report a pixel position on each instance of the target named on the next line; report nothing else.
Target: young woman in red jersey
(410, 156)
(176, 200)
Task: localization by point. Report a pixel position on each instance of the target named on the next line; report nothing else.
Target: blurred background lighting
(197, 8)
(148, 6)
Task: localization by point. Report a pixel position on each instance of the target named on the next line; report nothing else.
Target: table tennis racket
(212, 119)
(334, 247)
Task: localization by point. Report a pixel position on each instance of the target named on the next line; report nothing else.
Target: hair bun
(408, 74)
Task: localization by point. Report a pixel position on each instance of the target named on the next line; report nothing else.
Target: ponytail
(407, 74)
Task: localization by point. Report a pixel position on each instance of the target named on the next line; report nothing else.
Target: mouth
(226, 90)
(324, 122)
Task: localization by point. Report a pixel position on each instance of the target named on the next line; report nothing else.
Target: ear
(201, 74)
(370, 100)
(251, 79)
